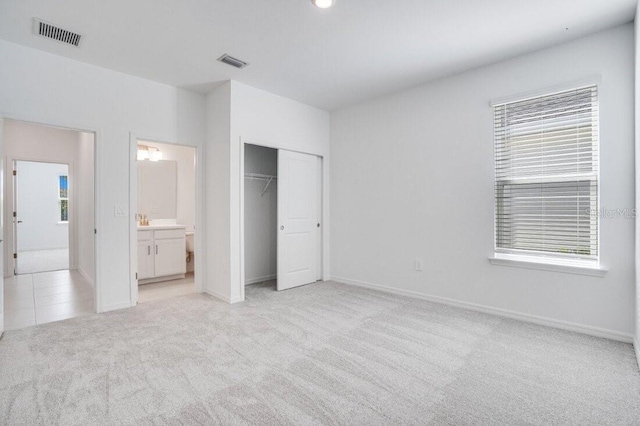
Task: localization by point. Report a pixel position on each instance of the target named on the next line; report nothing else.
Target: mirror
(157, 189)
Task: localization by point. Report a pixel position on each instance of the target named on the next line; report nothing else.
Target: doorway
(41, 223)
(49, 192)
(261, 215)
(282, 196)
(166, 200)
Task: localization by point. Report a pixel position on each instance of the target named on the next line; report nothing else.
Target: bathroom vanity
(161, 253)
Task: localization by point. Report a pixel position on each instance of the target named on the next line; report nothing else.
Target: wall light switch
(419, 264)
(120, 210)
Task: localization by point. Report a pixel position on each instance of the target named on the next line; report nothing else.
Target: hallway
(32, 299)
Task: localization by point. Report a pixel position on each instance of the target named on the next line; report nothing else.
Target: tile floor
(166, 289)
(34, 261)
(32, 299)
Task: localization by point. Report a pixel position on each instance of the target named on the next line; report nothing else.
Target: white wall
(45, 88)
(84, 207)
(238, 114)
(260, 215)
(261, 118)
(38, 210)
(412, 176)
(217, 190)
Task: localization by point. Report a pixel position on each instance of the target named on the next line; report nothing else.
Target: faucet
(142, 219)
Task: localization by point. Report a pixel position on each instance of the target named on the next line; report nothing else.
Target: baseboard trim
(218, 295)
(116, 306)
(223, 297)
(637, 349)
(535, 319)
(86, 277)
(161, 279)
(260, 280)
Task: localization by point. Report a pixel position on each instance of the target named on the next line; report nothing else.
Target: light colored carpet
(34, 261)
(326, 353)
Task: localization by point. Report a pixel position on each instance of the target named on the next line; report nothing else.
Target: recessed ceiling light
(323, 4)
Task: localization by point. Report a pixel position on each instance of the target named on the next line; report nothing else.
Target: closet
(282, 217)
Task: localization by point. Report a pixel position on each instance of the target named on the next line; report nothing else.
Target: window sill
(63, 223)
(528, 263)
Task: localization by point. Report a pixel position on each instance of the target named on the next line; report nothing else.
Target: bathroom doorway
(164, 185)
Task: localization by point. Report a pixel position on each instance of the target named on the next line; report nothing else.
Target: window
(63, 198)
(546, 188)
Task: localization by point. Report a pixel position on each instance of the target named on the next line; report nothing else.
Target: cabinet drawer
(145, 235)
(163, 234)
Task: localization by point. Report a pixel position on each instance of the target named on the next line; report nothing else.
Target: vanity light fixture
(146, 152)
(323, 4)
(143, 152)
(156, 155)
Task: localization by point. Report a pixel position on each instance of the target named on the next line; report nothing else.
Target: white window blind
(546, 188)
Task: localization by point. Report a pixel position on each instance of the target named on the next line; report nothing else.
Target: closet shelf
(258, 176)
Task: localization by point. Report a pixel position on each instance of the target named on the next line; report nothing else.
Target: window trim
(545, 261)
(589, 268)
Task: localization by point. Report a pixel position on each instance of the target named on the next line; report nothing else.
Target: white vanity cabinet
(145, 258)
(161, 253)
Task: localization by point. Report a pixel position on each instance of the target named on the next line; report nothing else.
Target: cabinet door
(145, 260)
(170, 257)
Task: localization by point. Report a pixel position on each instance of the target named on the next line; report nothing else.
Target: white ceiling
(356, 50)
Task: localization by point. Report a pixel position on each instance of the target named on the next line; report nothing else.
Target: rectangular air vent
(234, 62)
(45, 29)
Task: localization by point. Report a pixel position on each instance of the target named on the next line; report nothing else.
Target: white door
(2, 183)
(170, 257)
(41, 216)
(298, 224)
(145, 260)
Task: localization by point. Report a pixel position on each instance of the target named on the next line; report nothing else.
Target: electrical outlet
(419, 264)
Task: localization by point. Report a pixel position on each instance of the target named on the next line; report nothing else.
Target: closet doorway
(282, 217)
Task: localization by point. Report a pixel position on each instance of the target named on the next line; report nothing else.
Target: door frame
(199, 267)
(323, 212)
(97, 202)
(10, 206)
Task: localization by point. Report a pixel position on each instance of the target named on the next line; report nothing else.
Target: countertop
(152, 227)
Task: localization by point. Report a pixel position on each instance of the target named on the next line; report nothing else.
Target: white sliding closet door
(298, 222)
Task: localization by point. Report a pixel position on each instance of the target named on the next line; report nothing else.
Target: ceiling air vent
(45, 29)
(234, 62)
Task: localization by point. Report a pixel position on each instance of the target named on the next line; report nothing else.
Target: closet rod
(258, 176)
